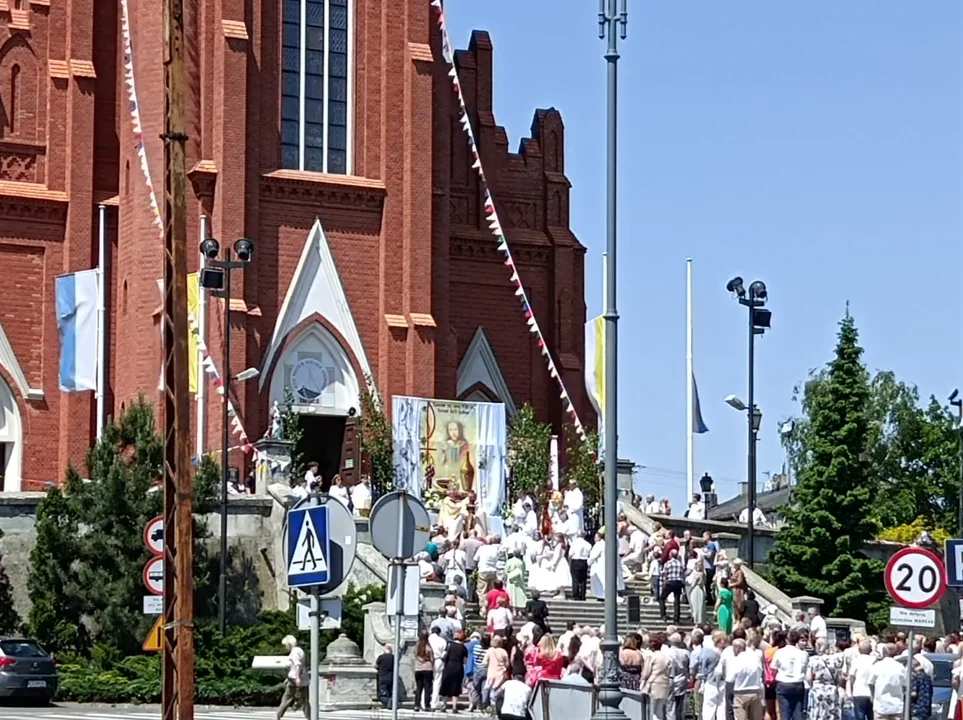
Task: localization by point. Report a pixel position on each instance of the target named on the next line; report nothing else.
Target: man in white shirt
(515, 697)
(487, 559)
(745, 668)
(758, 517)
(790, 663)
(651, 505)
(925, 663)
(886, 680)
(578, 555)
(859, 674)
(571, 630)
(296, 682)
(697, 508)
(817, 625)
(634, 560)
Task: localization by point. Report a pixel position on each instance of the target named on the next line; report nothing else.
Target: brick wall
(408, 235)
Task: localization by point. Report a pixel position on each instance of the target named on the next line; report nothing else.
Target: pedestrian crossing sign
(155, 638)
(308, 546)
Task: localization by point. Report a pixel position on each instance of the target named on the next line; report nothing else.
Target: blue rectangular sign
(308, 547)
(953, 557)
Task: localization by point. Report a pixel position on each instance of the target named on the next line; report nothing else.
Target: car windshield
(21, 648)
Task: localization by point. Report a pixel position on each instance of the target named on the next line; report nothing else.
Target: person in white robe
(361, 497)
(519, 511)
(558, 575)
(571, 528)
(533, 563)
(597, 568)
(530, 525)
(339, 491)
(575, 502)
(517, 541)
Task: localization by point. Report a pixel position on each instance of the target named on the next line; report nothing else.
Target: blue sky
(815, 146)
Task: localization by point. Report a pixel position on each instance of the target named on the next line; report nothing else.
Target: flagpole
(200, 396)
(101, 318)
(605, 291)
(689, 437)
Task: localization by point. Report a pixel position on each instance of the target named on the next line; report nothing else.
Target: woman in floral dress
(823, 673)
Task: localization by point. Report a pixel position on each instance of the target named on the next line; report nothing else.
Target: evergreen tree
(9, 619)
(56, 615)
(376, 442)
(819, 549)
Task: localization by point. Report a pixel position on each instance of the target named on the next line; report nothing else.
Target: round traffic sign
(399, 525)
(154, 575)
(915, 578)
(154, 535)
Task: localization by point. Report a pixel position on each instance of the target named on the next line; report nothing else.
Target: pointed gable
(479, 367)
(315, 289)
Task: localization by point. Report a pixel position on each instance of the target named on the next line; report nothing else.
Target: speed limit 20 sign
(915, 577)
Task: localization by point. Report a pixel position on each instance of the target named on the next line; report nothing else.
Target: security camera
(757, 290)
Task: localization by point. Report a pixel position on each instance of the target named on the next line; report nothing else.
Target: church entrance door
(322, 438)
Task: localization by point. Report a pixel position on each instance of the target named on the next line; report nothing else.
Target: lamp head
(735, 287)
(244, 249)
(705, 483)
(953, 397)
(210, 248)
(756, 418)
(734, 402)
(757, 291)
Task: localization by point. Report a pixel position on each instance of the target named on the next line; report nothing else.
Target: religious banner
(452, 454)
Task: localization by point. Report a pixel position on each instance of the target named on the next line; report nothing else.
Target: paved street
(152, 712)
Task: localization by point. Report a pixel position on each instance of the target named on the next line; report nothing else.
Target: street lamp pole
(217, 278)
(613, 21)
(759, 319)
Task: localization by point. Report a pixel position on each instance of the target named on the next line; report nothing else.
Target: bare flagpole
(689, 390)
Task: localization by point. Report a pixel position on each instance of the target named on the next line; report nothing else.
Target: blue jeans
(384, 694)
(863, 708)
(657, 587)
(792, 700)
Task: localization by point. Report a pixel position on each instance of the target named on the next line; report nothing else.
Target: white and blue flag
(77, 327)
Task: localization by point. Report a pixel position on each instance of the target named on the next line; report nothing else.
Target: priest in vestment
(575, 502)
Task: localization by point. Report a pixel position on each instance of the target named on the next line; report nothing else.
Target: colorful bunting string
(494, 224)
(134, 108)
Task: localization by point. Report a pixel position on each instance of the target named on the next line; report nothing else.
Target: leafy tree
(529, 454)
(582, 466)
(376, 441)
(9, 618)
(909, 533)
(911, 452)
(819, 549)
(293, 433)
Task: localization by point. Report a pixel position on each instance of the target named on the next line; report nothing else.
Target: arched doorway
(317, 373)
(11, 440)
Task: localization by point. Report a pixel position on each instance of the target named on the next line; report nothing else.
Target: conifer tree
(819, 549)
(9, 618)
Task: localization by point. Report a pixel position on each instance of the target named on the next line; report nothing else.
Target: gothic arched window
(316, 85)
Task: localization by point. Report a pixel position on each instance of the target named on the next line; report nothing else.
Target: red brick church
(324, 130)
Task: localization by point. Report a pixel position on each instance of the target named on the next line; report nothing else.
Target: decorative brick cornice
(310, 188)
(58, 69)
(422, 320)
(203, 177)
(235, 29)
(482, 248)
(420, 52)
(82, 69)
(396, 321)
(31, 201)
(19, 20)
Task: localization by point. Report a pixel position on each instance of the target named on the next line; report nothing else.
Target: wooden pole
(178, 671)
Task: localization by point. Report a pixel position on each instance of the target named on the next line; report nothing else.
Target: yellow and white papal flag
(595, 367)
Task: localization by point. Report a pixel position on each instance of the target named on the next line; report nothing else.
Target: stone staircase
(592, 611)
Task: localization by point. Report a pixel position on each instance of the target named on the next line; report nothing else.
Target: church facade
(326, 131)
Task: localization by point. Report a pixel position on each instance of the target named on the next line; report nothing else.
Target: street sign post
(154, 535)
(915, 578)
(154, 575)
(953, 556)
(155, 638)
(912, 619)
(321, 547)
